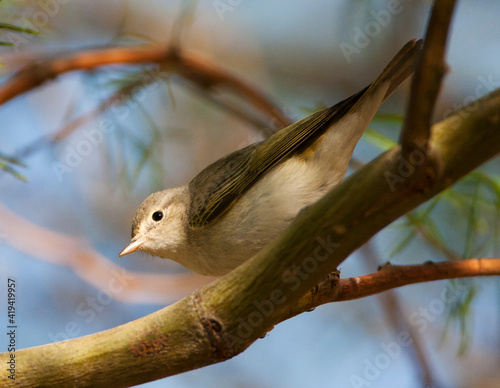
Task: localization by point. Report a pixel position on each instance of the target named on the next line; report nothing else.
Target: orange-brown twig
(393, 276)
(191, 66)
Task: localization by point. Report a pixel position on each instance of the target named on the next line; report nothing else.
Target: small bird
(245, 200)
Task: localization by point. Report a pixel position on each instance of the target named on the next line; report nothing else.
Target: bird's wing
(215, 189)
(218, 186)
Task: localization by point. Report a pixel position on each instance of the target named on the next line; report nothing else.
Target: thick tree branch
(426, 81)
(222, 319)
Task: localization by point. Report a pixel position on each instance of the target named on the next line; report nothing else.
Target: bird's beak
(134, 246)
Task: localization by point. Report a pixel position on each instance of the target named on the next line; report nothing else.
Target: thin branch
(267, 127)
(66, 130)
(426, 81)
(206, 74)
(390, 277)
(189, 65)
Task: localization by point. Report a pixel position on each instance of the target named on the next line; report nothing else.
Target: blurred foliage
(459, 312)
(15, 16)
(130, 152)
(468, 211)
(11, 27)
(9, 164)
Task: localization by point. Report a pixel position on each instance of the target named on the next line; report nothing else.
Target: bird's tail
(352, 116)
(400, 67)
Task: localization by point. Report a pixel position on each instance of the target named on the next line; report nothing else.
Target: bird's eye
(158, 215)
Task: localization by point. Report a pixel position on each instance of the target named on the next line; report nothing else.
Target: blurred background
(62, 229)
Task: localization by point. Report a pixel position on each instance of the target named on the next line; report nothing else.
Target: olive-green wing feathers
(218, 186)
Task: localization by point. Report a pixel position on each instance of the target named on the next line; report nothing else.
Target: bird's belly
(262, 214)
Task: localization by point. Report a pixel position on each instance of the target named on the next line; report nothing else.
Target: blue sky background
(293, 52)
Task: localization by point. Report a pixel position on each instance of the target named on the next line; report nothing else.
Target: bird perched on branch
(245, 200)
